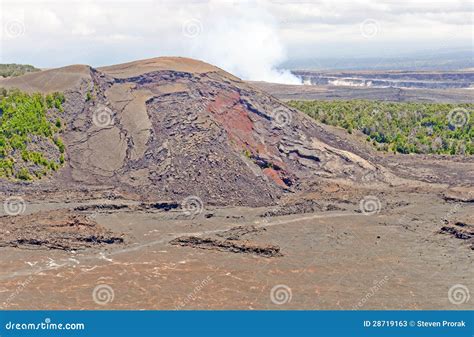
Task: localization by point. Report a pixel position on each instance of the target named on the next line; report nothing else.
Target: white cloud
(248, 38)
(243, 41)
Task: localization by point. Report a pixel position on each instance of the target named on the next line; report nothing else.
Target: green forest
(12, 70)
(30, 124)
(428, 128)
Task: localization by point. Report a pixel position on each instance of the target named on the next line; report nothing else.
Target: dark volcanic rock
(170, 128)
(60, 229)
(227, 246)
(460, 230)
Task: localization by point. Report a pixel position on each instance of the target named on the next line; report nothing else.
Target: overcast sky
(249, 38)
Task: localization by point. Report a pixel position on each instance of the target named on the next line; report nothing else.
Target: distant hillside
(438, 60)
(13, 70)
(389, 79)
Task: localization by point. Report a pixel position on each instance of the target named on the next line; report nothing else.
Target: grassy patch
(12, 70)
(29, 134)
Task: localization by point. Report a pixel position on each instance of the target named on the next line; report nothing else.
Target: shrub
(26, 118)
(23, 174)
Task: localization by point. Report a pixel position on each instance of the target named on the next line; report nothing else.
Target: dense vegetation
(12, 70)
(29, 127)
(400, 127)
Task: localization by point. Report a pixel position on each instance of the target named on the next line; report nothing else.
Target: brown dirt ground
(330, 257)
